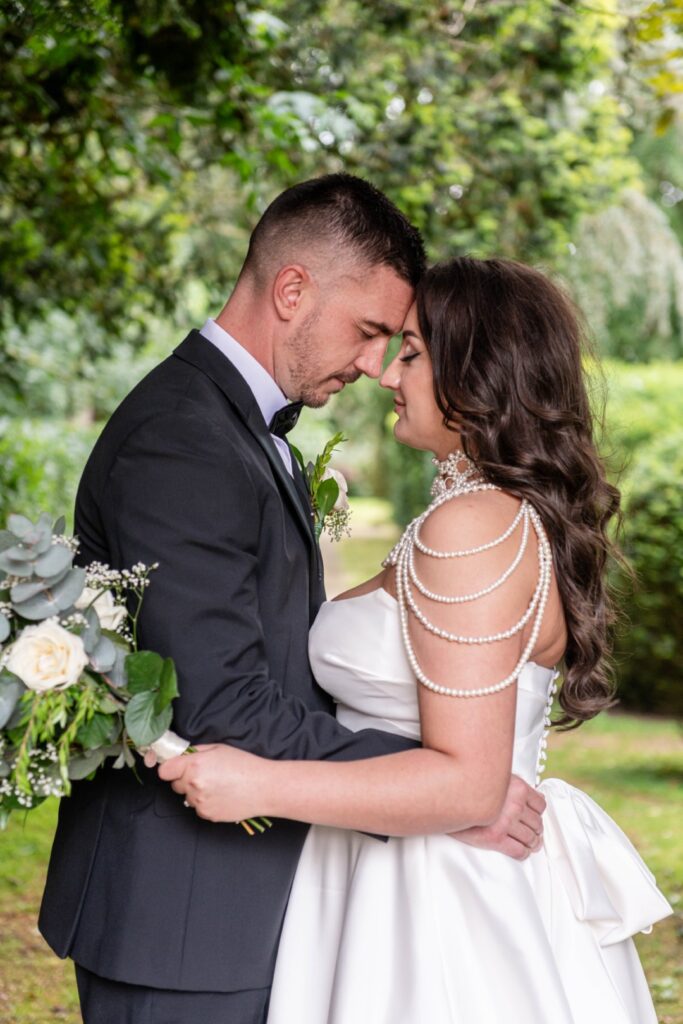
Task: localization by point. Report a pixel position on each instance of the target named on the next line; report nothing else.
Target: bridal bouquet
(74, 687)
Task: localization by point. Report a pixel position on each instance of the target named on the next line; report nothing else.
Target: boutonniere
(327, 490)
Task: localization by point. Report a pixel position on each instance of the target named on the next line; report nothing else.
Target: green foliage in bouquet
(74, 688)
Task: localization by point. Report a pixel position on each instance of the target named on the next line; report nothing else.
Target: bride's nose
(391, 378)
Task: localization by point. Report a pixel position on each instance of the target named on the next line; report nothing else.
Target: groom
(171, 919)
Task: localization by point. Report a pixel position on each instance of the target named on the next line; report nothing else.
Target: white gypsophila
(47, 657)
(342, 502)
(110, 614)
(99, 575)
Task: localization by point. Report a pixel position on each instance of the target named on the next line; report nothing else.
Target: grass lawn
(633, 767)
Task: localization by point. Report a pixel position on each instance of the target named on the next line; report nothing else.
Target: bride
(456, 642)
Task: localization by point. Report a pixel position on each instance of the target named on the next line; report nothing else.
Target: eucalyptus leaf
(117, 673)
(92, 634)
(36, 608)
(37, 542)
(80, 767)
(143, 669)
(103, 658)
(59, 527)
(11, 689)
(143, 723)
(26, 590)
(19, 525)
(5, 628)
(68, 590)
(15, 562)
(60, 597)
(7, 540)
(54, 561)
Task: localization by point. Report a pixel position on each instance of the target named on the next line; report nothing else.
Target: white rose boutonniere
(328, 491)
(47, 657)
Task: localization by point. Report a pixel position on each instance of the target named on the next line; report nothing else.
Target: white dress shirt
(268, 396)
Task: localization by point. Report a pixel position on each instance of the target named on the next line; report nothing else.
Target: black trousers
(114, 1002)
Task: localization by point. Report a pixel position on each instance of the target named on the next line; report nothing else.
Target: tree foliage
(107, 112)
(138, 140)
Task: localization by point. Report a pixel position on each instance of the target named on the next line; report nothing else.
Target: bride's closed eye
(409, 357)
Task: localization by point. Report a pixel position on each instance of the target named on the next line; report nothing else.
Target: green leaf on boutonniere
(326, 496)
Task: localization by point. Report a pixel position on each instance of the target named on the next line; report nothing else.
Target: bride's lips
(398, 406)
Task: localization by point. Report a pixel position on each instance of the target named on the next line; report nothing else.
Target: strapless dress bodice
(357, 655)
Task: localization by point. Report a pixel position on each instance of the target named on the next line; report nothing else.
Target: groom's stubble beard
(306, 379)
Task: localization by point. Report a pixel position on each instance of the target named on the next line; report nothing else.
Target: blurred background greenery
(140, 141)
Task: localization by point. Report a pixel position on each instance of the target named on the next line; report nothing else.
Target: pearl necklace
(453, 480)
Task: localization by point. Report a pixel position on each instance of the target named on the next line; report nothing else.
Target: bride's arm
(461, 775)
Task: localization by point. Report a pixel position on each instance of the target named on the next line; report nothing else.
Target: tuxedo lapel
(200, 353)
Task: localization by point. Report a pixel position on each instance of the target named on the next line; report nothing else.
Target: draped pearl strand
(457, 476)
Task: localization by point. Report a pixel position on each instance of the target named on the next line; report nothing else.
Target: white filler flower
(47, 657)
(110, 614)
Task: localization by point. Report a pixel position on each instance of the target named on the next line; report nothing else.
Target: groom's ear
(289, 290)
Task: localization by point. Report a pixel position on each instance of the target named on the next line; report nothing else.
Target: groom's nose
(370, 360)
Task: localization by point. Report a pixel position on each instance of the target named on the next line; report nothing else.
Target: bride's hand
(518, 830)
(221, 783)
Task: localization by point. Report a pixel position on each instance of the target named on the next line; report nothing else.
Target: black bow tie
(283, 421)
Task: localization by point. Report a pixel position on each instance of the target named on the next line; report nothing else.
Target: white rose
(342, 502)
(47, 657)
(110, 614)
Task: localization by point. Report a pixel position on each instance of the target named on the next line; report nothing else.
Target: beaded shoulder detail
(457, 475)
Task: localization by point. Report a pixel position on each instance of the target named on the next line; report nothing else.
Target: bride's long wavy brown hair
(507, 349)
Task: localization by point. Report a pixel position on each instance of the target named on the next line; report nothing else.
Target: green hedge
(40, 465)
(643, 403)
(649, 648)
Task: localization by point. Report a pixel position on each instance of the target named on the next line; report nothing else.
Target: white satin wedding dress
(427, 930)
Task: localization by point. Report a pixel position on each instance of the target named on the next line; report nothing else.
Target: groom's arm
(180, 494)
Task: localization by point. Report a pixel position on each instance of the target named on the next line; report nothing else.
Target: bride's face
(409, 375)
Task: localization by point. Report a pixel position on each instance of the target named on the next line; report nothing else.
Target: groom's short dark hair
(343, 210)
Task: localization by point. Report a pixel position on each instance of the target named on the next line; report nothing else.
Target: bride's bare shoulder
(470, 520)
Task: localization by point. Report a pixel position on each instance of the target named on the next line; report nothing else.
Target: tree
(126, 127)
(107, 112)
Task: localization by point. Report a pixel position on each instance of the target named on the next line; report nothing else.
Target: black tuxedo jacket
(185, 473)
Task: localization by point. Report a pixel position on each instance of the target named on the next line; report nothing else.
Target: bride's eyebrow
(410, 334)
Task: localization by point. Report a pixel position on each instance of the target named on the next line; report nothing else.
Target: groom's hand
(518, 830)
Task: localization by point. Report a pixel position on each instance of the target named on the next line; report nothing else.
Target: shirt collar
(268, 396)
